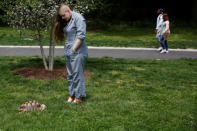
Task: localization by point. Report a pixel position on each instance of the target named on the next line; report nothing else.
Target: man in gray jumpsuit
(75, 52)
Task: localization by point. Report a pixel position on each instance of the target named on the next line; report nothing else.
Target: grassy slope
(123, 94)
(121, 36)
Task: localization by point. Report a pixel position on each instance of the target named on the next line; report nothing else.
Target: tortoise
(31, 106)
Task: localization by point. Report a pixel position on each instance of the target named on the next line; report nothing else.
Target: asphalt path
(98, 52)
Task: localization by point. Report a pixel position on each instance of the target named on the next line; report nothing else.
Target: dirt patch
(42, 74)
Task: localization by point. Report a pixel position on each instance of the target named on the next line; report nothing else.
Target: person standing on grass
(158, 26)
(73, 25)
(164, 33)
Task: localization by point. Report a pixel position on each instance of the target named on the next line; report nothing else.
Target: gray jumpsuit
(75, 61)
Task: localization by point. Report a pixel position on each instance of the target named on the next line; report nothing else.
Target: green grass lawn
(119, 36)
(122, 94)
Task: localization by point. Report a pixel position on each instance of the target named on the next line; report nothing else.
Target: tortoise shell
(31, 106)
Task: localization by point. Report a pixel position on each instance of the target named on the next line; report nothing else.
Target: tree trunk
(51, 46)
(42, 50)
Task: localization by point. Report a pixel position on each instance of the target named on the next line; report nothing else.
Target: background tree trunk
(194, 11)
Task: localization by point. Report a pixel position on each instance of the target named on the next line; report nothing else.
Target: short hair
(160, 9)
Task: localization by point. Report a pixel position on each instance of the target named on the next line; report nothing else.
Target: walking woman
(165, 32)
(72, 25)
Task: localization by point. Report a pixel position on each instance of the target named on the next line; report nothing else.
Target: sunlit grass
(122, 94)
(119, 36)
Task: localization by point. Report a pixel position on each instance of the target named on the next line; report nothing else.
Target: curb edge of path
(103, 48)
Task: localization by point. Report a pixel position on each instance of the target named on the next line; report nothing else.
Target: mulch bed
(40, 73)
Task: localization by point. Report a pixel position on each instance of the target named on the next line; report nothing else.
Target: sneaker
(70, 99)
(163, 51)
(159, 49)
(77, 100)
(166, 51)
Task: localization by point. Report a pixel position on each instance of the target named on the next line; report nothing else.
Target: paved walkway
(115, 52)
